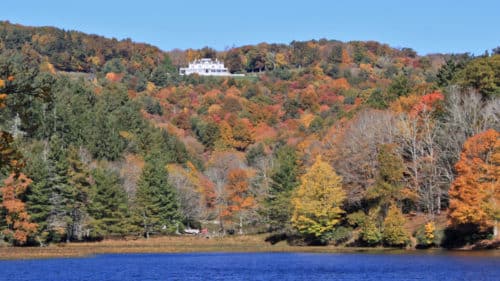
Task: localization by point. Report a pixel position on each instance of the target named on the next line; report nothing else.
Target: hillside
(101, 138)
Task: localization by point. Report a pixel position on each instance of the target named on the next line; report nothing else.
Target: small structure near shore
(192, 231)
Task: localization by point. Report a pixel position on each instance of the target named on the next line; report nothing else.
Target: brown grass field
(190, 244)
(165, 244)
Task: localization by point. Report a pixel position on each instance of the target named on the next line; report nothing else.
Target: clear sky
(426, 26)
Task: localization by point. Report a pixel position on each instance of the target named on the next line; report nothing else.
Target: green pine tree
(284, 181)
(156, 205)
(38, 193)
(76, 196)
(108, 204)
(389, 184)
(58, 183)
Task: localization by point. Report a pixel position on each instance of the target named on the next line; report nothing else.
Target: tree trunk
(438, 211)
(495, 230)
(221, 225)
(144, 220)
(241, 225)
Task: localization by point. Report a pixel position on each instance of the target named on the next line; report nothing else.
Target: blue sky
(426, 26)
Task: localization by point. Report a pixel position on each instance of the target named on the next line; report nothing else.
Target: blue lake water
(259, 266)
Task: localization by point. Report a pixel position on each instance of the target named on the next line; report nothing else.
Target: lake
(260, 266)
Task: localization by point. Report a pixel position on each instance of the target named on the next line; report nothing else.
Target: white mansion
(206, 67)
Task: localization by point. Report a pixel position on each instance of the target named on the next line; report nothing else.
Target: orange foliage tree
(475, 193)
(19, 227)
(3, 96)
(239, 198)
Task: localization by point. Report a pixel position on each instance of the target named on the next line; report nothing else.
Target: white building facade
(206, 67)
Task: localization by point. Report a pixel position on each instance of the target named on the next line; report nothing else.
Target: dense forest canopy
(101, 138)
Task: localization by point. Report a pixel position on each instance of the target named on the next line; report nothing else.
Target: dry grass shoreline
(167, 244)
(177, 244)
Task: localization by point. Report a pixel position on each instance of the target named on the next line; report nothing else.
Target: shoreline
(192, 244)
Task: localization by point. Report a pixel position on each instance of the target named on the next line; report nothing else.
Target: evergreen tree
(38, 193)
(156, 205)
(284, 180)
(104, 140)
(482, 74)
(76, 196)
(38, 205)
(447, 73)
(58, 181)
(389, 184)
(108, 204)
(401, 86)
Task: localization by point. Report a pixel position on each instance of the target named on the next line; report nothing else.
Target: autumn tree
(19, 226)
(10, 157)
(226, 138)
(234, 61)
(466, 114)
(355, 151)
(207, 52)
(335, 55)
(304, 54)
(427, 235)
(475, 193)
(393, 233)
(218, 168)
(420, 147)
(317, 203)
(3, 96)
(195, 197)
(370, 232)
(239, 197)
(242, 135)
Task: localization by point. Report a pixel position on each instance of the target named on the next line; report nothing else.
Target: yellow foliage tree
(317, 202)
(394, 233)
(226, 139)
(280, 60)
(429, 231)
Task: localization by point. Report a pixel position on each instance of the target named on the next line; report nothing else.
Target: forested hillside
(354, 143)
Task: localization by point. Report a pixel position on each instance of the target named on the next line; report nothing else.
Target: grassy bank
(185, 244)
(170, 244)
